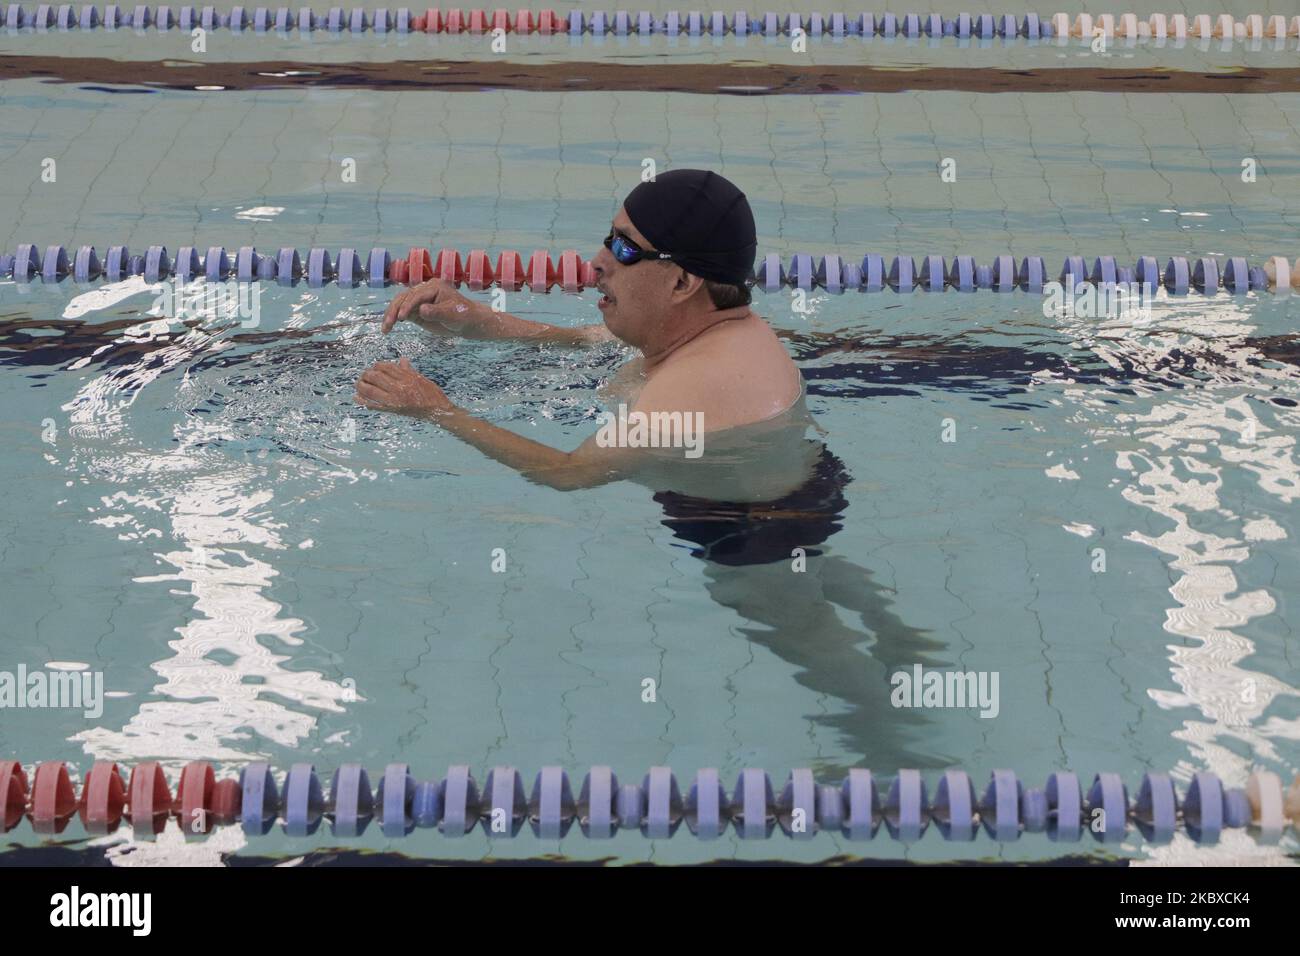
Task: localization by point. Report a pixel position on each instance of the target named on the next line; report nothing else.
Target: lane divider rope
(855, 808)
(1158, 27)
(832, 273)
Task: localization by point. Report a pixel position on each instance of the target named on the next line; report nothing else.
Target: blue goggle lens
(624, 251)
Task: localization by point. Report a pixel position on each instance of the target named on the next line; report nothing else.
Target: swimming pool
(263, 571)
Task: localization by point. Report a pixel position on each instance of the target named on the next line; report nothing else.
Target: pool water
(263, 570)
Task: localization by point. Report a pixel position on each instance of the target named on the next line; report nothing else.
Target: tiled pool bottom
(254, 587)
(1035, 173)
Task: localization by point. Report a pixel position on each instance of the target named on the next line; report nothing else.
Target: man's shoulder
(737, 382)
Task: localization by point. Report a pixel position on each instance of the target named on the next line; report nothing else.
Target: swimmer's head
(704, 223)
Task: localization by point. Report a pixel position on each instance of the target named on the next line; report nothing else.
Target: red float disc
(148, 796)
(524, 21)
(478, 273)
(102, 797)
(449, 266)
(194, 797)
(455, 22)
(588, 274)
(547, 21)
(53, 799)
(417, 24)
(541, 272)
(510, 271)
(433, 22)
(501, 20)
(227, 801)
(397, 271)
(570, 271)
(478, 21)
(13, 794)
(418, 266)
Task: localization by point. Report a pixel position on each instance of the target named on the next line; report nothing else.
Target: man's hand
(437, 306)
(397, 387)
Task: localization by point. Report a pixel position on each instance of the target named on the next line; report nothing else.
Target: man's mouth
(605, 299)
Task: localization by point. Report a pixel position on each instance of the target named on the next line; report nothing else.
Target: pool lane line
(855, 807)
(719, 79)
(1157, 28)
(571, 273)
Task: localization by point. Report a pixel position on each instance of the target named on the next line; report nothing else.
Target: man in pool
(674, 275)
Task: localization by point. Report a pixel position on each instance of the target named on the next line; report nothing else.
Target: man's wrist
(448, 417)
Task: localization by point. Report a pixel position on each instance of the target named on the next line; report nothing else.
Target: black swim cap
(699, 217)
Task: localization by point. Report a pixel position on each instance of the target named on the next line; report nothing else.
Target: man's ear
(686, 283)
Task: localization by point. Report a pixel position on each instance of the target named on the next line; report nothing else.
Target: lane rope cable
(831, 272)
(455, 804)
(1159, 28)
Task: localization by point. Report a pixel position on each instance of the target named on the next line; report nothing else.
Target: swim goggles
(628, 252)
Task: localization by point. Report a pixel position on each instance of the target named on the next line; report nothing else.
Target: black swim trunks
(741, 533)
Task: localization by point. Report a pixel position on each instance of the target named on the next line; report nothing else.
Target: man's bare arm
(397, 387)
(438, 306)
(587, 466)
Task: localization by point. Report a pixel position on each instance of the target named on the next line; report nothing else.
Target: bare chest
(624, 385)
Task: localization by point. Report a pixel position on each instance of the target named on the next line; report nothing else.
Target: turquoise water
(262, 570)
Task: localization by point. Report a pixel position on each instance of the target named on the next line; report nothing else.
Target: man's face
(635, 294)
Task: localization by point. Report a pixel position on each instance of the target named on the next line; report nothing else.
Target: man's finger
(390, 313)
(431, 296)
(371, 393)
(421, 293)
(404, 306)
(382, 372)
(400, 307)
(371, 377)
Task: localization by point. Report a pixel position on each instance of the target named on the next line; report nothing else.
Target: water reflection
(225, 680)
(1210, 404)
